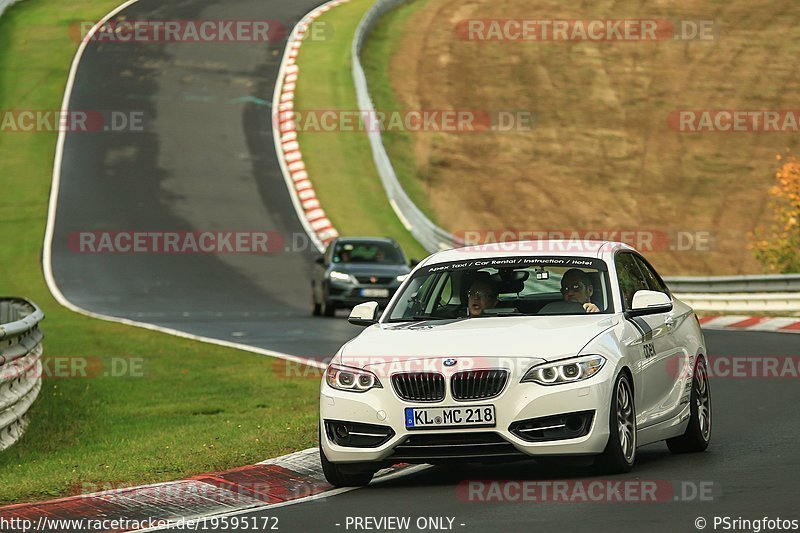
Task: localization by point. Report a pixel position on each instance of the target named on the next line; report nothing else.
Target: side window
(653, 281)
(630, 277)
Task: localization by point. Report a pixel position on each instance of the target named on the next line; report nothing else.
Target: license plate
(450, 417)
(375, 293)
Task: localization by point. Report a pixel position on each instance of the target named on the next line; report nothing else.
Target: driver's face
(481, 297)
(575, 290)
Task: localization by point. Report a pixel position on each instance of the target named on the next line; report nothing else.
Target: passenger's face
(575, 290)
(480, 298)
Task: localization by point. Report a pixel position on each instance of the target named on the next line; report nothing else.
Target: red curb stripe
(746, 323)
(706, 319)
(792, 327)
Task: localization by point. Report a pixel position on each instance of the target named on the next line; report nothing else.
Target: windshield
(368, 252)
(512, 286)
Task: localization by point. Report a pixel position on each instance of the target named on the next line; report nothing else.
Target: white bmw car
(514, 351)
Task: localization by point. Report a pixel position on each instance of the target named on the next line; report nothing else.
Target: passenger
(576, 286)
(481, 295)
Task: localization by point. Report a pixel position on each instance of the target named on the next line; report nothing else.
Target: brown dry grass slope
(601, 155)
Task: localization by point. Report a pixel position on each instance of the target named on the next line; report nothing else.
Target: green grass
(340, 164)
(383, 44)
(195, 408)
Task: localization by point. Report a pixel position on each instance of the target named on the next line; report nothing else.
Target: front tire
(698, 432)
(620, 453)
(344, 475)
(328, 308)
(316, 308)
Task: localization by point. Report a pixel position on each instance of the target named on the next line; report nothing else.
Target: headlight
(351, 379)
(402, 278)
(566, 371)
(341, 276)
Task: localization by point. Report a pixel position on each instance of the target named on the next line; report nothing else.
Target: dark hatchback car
(355, 270)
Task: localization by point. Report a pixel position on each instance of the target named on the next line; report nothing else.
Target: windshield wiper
(418, 318)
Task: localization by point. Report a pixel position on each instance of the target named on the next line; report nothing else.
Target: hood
(547, 337)
(371, 269)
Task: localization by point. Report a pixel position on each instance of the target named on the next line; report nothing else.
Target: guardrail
(727, 293)
(759, 293)
(430, 236)
(20, 365)
(5, 4)
(731, 284)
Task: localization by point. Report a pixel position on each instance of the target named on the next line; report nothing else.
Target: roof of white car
(542, 248)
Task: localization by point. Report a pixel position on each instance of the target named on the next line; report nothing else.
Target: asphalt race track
(750, 470)
(205, 161)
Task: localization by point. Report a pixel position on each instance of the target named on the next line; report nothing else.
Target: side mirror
(320, 260)
(364, 314)
(649, 302)
(413, 262)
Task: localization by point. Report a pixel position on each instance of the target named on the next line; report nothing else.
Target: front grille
(478, 384)
(419, 386)
(378, 280)
(429, 448)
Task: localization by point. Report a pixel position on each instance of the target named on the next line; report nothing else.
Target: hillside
(604, 153)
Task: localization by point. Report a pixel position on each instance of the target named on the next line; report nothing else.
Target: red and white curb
(305, 200)
(751, 323)
(293, 478)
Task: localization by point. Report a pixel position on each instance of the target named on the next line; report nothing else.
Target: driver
(482, 294)
(576, 286)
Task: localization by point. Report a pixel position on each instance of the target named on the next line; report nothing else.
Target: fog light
(574, 423)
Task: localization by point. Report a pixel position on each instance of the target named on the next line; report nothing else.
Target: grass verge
(340, 164)
(180, 407)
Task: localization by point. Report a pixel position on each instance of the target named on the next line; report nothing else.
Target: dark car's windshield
(553, 286)
(368, 252)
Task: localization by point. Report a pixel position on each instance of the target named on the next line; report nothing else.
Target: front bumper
(349, 295)
(518, 402)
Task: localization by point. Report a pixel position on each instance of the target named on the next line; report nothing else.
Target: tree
(778, 248)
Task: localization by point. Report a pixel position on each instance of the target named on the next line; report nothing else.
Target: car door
(651, 347)
(664, 378)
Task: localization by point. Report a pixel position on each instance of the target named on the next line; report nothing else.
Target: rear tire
(344, 475)
(620, 453)
(698, 432)
(316, 309)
